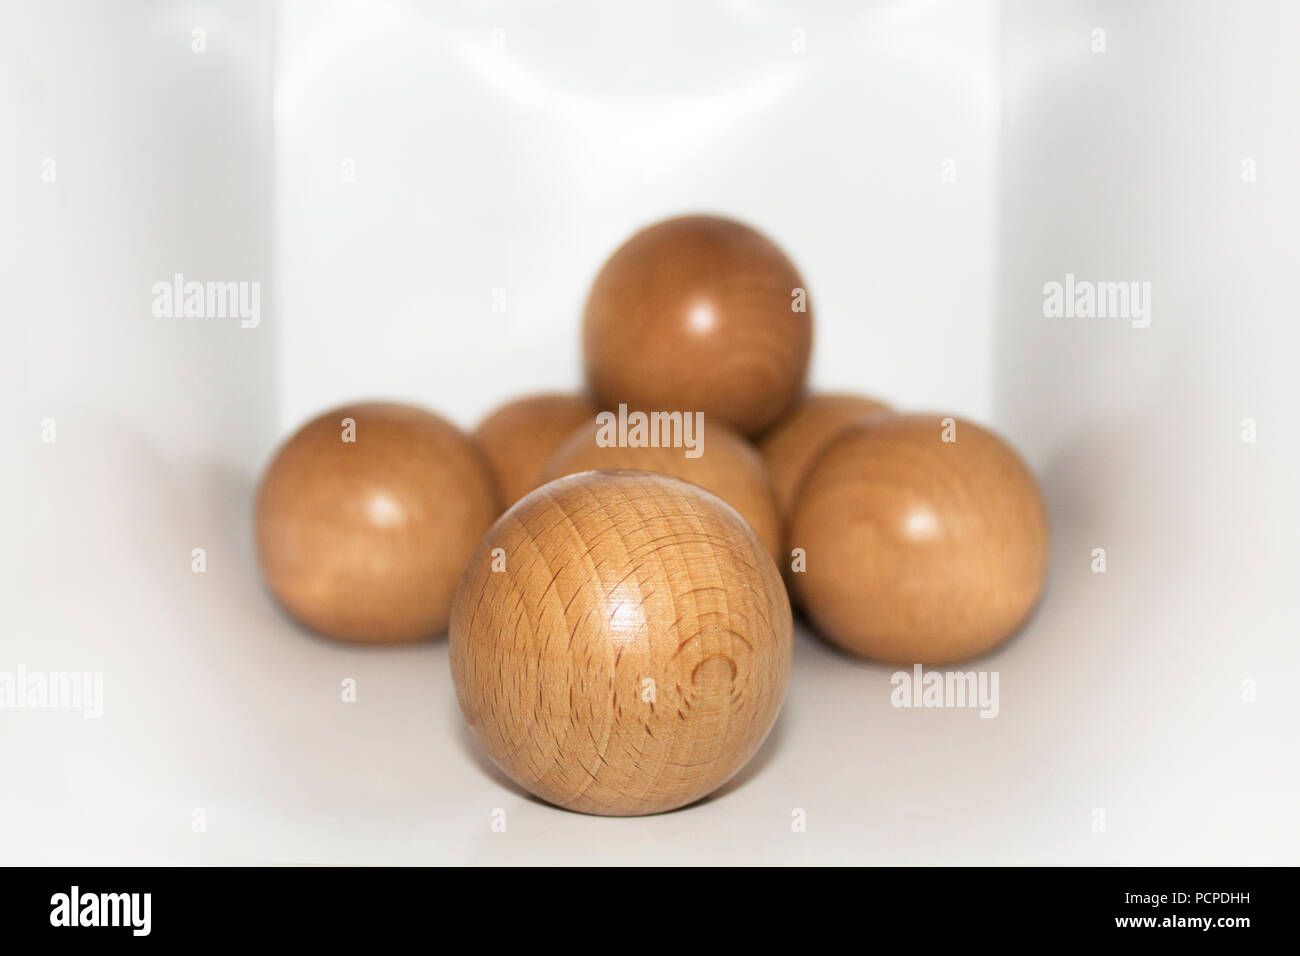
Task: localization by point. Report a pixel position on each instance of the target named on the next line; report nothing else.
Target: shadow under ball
(635, 650)
(790, 446)
(519, 437)
(919, 550)
(697, 314)
(727, 466)
(365, 540)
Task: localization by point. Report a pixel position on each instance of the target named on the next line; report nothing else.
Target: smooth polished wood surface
(633, 653)
(790, 445)
(695, 314)
(728, 466)
(520, 437)
(365, 541)
(919, 550)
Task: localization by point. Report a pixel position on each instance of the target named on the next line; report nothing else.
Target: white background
(511, 147)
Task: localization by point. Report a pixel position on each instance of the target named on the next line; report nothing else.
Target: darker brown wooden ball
(365, 540)
(697, 314)
(919, 550)
(620, 643)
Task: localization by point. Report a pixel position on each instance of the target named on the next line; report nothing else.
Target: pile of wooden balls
(621, 635)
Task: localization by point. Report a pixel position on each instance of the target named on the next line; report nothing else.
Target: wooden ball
(728, 466)
(792, 444)
(919, 550)
(520, 437)
(698, 314)
(633, 651)
(365, 539)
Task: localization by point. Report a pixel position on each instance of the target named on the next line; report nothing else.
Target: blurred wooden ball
(697, 314)
(364, 540)
(790, 446)
(631, 652)
(727, 465)
(919, 550)
(519, 438)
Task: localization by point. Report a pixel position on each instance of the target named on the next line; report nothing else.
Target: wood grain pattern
(790, 445)
(728, 466)
(919, 550)
(365, 541)
(519, 438)
(635, 651)
(695, 314)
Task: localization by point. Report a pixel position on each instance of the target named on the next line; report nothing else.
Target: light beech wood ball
(790, 446)
(699, 313)
(728, 466)
(620, 643)
(919, 550)
(365, 540)
(520, 437)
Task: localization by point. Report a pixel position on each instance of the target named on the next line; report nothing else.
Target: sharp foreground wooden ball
(632, 651)
(520, 437)
(792, 444)
(699, 314)
(919, 550)
(727, 465)
(364, 540)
